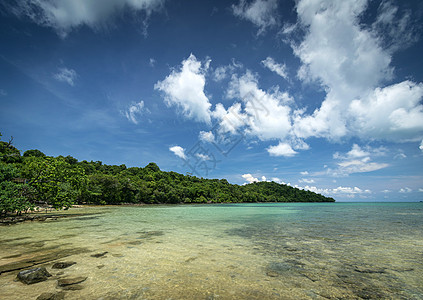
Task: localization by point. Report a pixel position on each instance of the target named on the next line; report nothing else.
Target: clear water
(238, 251)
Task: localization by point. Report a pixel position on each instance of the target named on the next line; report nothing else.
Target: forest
(34, 179)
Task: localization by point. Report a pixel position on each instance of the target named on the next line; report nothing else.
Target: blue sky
(322, 95)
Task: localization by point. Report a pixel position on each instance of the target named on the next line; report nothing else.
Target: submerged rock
(371, 270)
(33, 275)
(99, 254)
(63, 264)
(52, 296)
(272, 274)
(73, 287)
(69, 281)
(41, 259)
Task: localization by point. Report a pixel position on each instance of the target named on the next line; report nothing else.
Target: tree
(56, 182)
(8, 153)
(14, 197)
(33, 152)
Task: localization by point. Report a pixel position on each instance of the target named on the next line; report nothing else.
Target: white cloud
(421, 145)
(348, 192)
(405, 190)
(66, 75)
(135, 110)
(152, 62)
(282, 149)
(275, 67)
(230, 120)
(420, 190)
(391, 113)
(64, 16)
(267, 112)
(3, 93)
(305, 180)
(400, 155)
(357, 160)
(207, 136)
(202, 156)
(399, 30)
(220, 73)
(249, 178)
(357, 152)
(262, 13)
(304, 173)
(185, 89)
(351, 65)
(178, 151)
(277, 180)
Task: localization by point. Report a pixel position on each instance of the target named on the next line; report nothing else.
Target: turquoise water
(234, 251)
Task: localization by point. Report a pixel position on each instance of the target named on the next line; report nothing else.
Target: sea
(223, 251)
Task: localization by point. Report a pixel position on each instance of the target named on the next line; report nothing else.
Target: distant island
(34, 179)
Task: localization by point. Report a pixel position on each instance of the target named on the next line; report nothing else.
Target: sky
(321, 95)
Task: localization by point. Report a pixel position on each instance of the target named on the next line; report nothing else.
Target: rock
(40, 259)
(63, 264)
(33, 275)
(362, 269)
(51, 296)
(74, 287)
(70, 281)
(99, 254)
(100, 266)
(272, 274)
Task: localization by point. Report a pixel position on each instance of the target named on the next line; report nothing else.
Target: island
(34, 179)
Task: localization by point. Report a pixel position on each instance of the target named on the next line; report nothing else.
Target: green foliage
(8, 153)
(34, 152)
(56, 181)
(63, 181)
(14, 197)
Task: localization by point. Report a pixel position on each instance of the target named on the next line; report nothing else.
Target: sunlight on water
(239, 251)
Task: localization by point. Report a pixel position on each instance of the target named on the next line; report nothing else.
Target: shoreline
(50, 214)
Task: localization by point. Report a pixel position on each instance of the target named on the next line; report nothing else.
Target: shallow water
(237, 251)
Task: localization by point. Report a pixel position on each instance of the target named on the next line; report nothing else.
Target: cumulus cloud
(64, 16)
(222, 72)
(178, 151)
(152, 62)
(203, 157)
(282, 149)
(184, 88)
(273, 66)
(405, 190)
(262, 13)
(348, 192)
(207, 136)
(351, 65)
(357, 160)
(66, 75)
(267, 112)
(421, 145)
(249, 178)
(306, 180)
(393, 112)
(134, 111)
